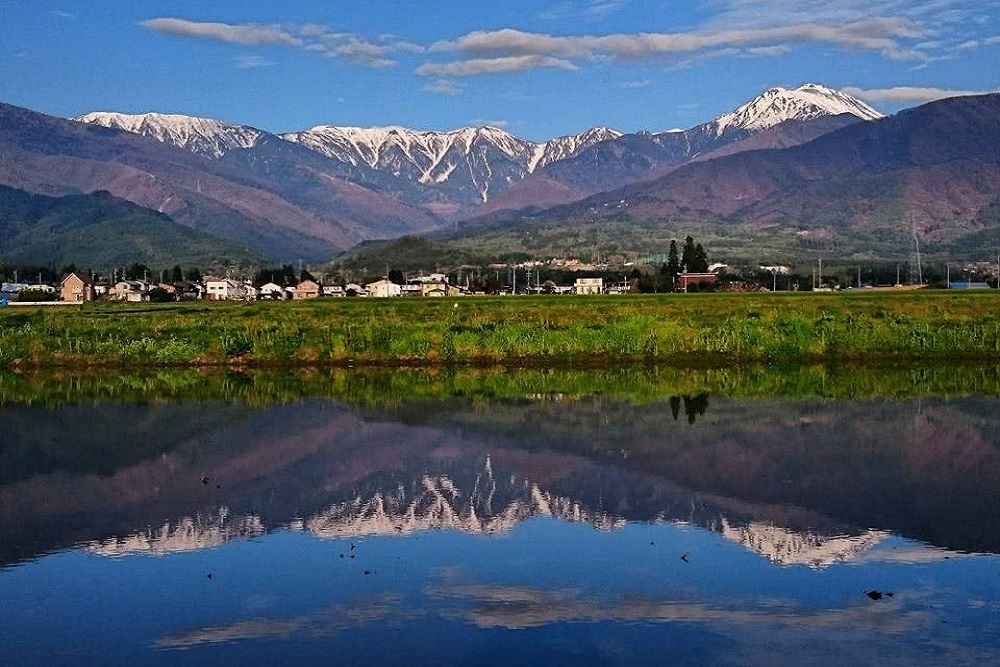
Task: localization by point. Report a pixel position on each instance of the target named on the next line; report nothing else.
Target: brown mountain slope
(287, 206)
(936, 166)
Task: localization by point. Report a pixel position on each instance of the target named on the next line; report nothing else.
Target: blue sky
(540, 69)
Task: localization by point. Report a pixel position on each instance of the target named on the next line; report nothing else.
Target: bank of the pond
(680, 329)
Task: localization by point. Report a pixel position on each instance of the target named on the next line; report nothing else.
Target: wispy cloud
(498, 65)
(599, 9)
(977, 43)
(312, 37)
(248, 34)
(515, 50)
(443, 87)
(251, 62)
(643, 83)
(594, 10)
(486, 122)
(909, 94)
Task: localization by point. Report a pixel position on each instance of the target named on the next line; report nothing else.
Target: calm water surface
(542, 528)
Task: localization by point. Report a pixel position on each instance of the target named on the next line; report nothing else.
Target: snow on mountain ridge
(200, 135)
(777, 105)
(488, 157)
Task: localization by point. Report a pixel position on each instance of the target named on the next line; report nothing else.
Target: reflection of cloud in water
(519, 607)
(186, 534)
(359, 613)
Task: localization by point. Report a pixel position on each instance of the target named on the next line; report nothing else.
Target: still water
(313, 522)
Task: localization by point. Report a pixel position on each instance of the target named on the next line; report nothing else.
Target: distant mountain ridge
(935, 168)
(281, 199)
(612, 164)
(455, 173)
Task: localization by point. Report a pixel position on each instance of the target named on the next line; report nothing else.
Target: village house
(589, 286)
(686, 280)
(383, 288)
(131, 291)
(76, 287)
(224, 289)
(333, 290)
(273, 291)
(307, 289)
(354, 289)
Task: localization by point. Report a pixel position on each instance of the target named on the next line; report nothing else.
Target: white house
(132, 291)
(384, 288)
(273, 291)
(589, 285)
(224, 289)
(333, 290)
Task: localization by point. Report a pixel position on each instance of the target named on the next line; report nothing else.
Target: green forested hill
(99, 230)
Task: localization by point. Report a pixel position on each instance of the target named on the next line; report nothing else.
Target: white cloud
(248, 34)
(909, 94)
(443, 87)
(312, 37)
(482, 122)
(643, 83)
(769, 51)
(501, 65)
(594, 10)
(599, 9)
(882, 35)
(251, 62)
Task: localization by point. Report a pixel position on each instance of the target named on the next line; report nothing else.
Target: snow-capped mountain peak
(562, 148)
(206, 136)
(777, 105)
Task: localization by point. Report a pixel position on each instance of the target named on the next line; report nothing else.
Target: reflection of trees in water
(694, 406)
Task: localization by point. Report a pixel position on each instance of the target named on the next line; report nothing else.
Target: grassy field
(709, 330)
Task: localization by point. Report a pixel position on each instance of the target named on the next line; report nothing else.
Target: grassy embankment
(689, 330)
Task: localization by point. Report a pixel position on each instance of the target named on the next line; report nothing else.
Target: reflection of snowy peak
(206, 136)
(473, 500)
(442, 506)
(788, 547)
(187, 534)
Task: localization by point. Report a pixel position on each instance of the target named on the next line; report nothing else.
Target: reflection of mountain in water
(486, 504)
(187, 534)
(789, 547)
(438, 503)
(794, 481)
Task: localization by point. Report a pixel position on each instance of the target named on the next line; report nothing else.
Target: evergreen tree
(672, 268)
(306, 276)
(699, 260)
(687, 256)
(177, 275)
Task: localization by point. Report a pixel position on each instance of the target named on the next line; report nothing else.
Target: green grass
(686, 330)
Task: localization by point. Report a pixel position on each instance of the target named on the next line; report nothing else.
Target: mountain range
(804, 164)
